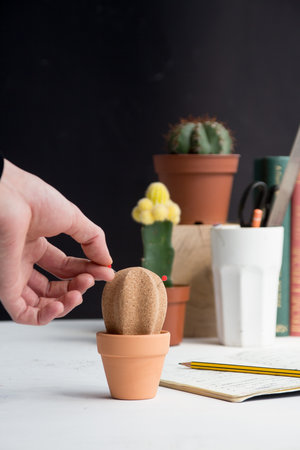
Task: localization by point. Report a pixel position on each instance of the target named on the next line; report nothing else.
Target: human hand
(30, 211)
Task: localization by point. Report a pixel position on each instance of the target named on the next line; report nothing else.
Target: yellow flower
(146, 218)
(173, 212)
(156, 206)
(158, 193)
(136, 214)
(145, 204)
(176, 219)
(159, 212)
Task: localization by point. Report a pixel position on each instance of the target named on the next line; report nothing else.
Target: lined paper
(235, 387)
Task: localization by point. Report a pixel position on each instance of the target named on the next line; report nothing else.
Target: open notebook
(233, 387)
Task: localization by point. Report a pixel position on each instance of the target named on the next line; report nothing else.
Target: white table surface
(54, 395)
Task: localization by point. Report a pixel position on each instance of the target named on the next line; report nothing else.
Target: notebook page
(285, 353)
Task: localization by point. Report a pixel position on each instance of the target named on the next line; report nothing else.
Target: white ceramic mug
(246, 265)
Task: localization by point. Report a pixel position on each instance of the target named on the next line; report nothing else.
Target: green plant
(199, 135)
(157, 214)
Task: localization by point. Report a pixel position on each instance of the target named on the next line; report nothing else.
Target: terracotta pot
(174, 322)
(133, 363)
(200, 184)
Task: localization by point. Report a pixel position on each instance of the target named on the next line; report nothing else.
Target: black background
(88, 89)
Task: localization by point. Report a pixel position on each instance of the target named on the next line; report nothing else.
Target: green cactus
(158, 250)
(179, 139)
(203, 136)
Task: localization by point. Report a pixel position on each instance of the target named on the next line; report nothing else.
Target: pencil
(256, 219)
(242, 369)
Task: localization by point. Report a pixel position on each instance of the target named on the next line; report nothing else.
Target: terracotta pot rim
(178, 286)
(133, 345)
(178, 294)
(132, 336)
(195, 163)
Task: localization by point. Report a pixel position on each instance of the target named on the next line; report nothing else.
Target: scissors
(263, 197)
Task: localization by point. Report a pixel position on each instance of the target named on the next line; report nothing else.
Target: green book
(270, 169)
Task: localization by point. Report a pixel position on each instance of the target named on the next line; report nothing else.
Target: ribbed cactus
(157, 213)
(179, 137)
(158, 251)
(134, 302)
(204, 136)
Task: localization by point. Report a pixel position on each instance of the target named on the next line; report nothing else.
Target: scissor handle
(259, 202)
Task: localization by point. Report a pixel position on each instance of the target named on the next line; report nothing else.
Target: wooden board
(192, 265)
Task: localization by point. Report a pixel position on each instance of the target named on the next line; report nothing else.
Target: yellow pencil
(242, 369)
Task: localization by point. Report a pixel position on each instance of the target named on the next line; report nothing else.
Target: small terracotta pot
(133, 363)
(200, 184)
(174, 322)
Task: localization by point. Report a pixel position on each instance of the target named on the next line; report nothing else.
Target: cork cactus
(199, 135)
(157, 213)
(134, 306)
(135, 302)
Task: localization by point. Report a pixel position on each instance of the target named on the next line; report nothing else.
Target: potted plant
(133, 348)
(158, 213)
(199, 169)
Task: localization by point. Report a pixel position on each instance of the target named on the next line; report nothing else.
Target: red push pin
(109, 266)
(164, 277)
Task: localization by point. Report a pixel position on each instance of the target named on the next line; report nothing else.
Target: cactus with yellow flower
(157, 214)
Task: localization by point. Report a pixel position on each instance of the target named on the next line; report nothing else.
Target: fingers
(30, 296)
(52, 214)
(52, 308)
(70, 301)
(43, 301)
(42, 287)
(91, 237)
(56, 262)
(46, 310)
(24, 313)
(37, 211)
(47, 314)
